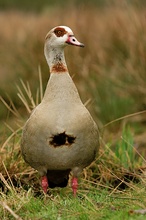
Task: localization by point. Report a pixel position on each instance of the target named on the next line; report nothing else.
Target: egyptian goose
(60, 136)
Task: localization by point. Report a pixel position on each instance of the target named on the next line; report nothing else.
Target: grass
(89, 205)
(110, 73)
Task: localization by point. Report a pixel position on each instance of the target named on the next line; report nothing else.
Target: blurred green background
(39, 6)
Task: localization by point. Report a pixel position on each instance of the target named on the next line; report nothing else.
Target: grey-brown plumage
(60, 136)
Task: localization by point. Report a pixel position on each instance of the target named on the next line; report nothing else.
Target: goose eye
(59, 32)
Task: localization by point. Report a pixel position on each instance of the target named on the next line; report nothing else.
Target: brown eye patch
(60, 32)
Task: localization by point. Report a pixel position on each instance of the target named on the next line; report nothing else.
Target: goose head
(61, 36)
(55, 42)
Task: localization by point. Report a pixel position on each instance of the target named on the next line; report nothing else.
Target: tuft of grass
(112, 103)
(125, 150)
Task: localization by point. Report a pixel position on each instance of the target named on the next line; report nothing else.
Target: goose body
(60, 136)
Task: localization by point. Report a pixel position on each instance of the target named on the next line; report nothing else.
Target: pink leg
(44, 183)
(74, 185)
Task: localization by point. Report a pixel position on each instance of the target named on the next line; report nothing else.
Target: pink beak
(73, 41)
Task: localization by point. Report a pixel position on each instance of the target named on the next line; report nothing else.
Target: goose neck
(55, 59)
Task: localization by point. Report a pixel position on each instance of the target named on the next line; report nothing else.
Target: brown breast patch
(58, 68)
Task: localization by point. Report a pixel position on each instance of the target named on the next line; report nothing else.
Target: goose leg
(74, 185)
(44, 183)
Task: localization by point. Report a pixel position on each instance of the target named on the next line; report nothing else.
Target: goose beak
(73, 41)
